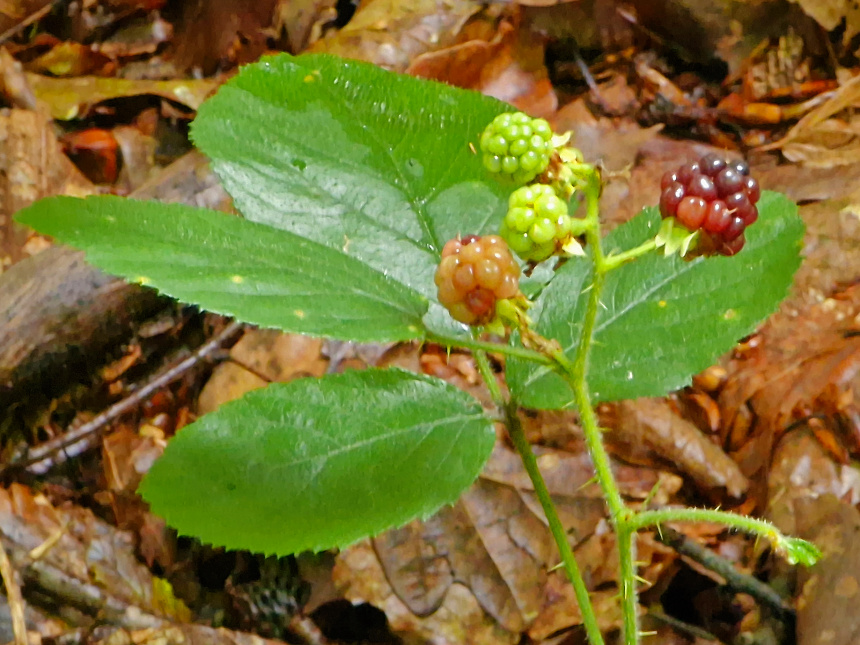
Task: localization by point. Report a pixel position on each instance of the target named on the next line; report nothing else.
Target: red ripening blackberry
(474, 273)
(714, 195)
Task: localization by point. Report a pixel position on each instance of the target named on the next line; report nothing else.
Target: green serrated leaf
(228, 265)
(355, 157)
(321, 463)
(663, 319)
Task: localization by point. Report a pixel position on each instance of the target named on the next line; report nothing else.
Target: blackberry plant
(349, 210)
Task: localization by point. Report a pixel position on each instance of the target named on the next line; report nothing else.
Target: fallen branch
(42, 458)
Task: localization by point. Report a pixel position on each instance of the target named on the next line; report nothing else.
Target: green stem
(615, 260)
(794, 550)
(575, 375)
(518, 437)
(493, 348)
(654, 518)
(619, 514)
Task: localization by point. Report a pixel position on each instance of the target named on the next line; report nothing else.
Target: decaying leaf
(72, 98)
(805, 366)
(494, 545)
(391, 34)
(31, 166)
(80, 561)
(650, 425)
(268, 356)
(827, 605)
(459, 619)
(801, 470)
(823, 138)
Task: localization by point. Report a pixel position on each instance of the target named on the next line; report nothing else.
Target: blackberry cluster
(713, 195)
(537, 223)
(517, 146)
(474, 273)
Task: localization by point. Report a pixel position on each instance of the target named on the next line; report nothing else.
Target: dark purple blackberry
(715, 195)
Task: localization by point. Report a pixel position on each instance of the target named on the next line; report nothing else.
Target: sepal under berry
(517, 146)
(674, 238)
(714, 195)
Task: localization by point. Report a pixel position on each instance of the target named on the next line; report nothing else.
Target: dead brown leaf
(462, 64)
(459, 619)
(821, 140)
(73, 98)
(494, 544)
(650, 426)
(279, 357)
(802, 469)
(262, 356)
(392, 34)
(826, 606)
(31, 167)
(80, 561)
(805, 184)
(806, 365)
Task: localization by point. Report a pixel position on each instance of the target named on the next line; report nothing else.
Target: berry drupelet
(476, 272)
(517, 146)
(713, 195)
(537, 223)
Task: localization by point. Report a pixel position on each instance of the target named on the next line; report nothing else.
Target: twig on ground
(29, 20)
(681, 626)
(738, 581)
(76, 441)
(13, 596)
(306, 629)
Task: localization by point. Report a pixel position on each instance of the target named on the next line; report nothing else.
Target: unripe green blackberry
(517, 146)
(474, 273)
(537, 224)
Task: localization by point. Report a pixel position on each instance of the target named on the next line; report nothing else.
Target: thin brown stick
(307, 630)
(76, 441)
(763, 593)
(13, 595)
(29, 20)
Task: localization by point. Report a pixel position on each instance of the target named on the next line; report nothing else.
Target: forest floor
(96, 376)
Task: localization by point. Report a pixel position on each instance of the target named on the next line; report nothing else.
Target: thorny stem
(575, 375)
(625, 521)
(752, 525)
(518, 437)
